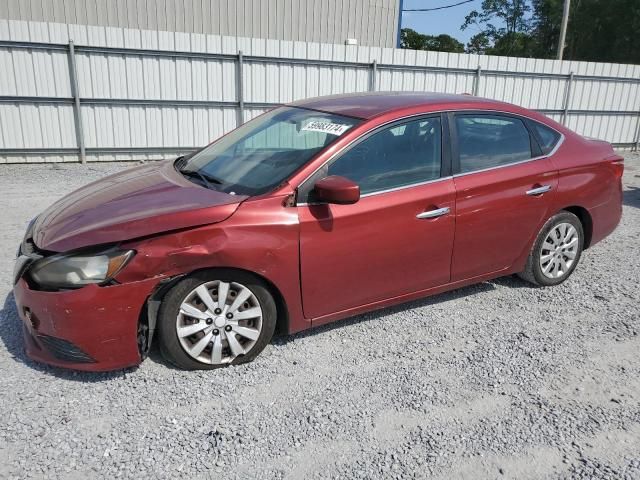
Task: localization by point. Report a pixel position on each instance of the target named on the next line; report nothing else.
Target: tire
(538, 270)
(249, 329)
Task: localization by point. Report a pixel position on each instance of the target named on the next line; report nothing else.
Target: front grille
(30, 338)
(64, 350)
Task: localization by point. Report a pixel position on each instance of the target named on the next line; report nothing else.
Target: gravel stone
(496, 380)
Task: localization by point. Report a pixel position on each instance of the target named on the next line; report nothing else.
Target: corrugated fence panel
(529, 92)
(606, 95)
(612, 127)
(150, 94)
(112, 127)
(36, 126)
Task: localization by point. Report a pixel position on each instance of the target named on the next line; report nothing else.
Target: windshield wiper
(208, 180)
(179, 162)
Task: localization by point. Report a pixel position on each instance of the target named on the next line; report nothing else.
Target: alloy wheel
(559, 250)
(219, 321)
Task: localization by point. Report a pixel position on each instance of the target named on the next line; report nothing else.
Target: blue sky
(440, 21)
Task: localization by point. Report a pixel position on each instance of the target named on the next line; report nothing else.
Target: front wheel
(556, 251)
(216, 318)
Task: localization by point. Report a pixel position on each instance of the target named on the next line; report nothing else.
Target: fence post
(567, 99)
(476, 82)
(240, 87)
(77, 110)
(373, 84)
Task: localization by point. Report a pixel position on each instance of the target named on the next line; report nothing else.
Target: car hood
(137, 202)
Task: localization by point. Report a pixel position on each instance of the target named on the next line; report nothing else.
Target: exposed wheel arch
(558, 246)
(585, 219)
(153, 303)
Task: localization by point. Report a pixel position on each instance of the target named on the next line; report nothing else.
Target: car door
(397, 238)
(504, 190)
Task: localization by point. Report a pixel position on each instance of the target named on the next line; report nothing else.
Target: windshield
(262, 153)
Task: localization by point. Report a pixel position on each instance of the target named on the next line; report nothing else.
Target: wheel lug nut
(227, 328)
(215, 332)
(209, 321)
(217, 311)
(229, 316)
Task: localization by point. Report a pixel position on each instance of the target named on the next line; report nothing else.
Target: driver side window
(400, 155)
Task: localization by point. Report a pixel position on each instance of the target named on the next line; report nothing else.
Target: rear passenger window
(548, 137)
(487, 141)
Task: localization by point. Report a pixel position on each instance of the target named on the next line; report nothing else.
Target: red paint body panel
(261, 237)
(338, 190)
(405, 298)
(495, 220)
(141, 201)
(101, 321)
(586, 181)
(355, 256)
(326, 262)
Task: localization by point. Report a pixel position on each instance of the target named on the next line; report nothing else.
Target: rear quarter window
(548, 137)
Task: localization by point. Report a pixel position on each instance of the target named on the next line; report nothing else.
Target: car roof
(367, 105)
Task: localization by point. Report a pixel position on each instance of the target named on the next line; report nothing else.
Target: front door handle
(539, 190)
(438, 212)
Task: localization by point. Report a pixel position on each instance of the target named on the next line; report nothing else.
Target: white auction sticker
(326, 127)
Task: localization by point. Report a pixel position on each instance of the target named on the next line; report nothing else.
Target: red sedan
(310, 213)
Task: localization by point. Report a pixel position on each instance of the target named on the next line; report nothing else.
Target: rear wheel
(216, 318)
(556, 251)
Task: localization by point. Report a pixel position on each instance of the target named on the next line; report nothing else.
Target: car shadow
(155, 355)
(631, 196)
(511, 282)
(11, 330)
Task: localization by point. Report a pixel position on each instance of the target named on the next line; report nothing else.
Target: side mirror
(335, 189)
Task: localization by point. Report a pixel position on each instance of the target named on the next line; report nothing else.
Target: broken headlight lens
(76, 270)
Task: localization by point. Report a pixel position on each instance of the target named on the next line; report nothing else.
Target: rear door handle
(539, 190)
(438, 212)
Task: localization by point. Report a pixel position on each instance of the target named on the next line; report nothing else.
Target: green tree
(444, 43)
(479, 43)
(512, 15)
(412, 40)
(439, 43)
(513, 44)
(547, 16)
(599, 30)
(504, 28)
(604, 31)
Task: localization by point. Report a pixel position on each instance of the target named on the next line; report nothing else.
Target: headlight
(76, 270)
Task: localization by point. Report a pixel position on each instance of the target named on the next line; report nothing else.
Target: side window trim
(446, 154)
(445, 157)
(453, 142)
(536, 144)
(536, 151)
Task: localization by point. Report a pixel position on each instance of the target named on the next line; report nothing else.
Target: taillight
(617, 165)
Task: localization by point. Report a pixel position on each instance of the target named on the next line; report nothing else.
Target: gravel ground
(497, 380)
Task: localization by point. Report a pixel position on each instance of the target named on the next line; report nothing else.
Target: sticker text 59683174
(326, 127)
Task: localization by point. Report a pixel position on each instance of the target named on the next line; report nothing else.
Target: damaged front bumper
(94, 328)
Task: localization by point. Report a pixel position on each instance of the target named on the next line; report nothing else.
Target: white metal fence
(69, 92)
